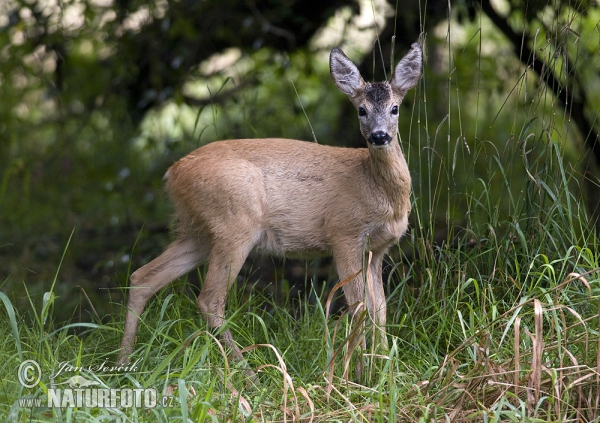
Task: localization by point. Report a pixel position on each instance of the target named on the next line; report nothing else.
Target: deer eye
(395, 110)
(362, 111)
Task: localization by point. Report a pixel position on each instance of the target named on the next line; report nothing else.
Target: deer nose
(379, 138)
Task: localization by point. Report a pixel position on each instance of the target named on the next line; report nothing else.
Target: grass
(504, 328)
(500, 322)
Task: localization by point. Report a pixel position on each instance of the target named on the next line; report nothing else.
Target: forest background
(99, 98)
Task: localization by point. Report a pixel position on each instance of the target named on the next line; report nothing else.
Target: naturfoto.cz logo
(78, 391)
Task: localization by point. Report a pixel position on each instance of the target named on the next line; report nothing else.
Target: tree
(146, 51)
(555, 43)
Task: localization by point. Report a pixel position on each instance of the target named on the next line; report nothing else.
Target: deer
(289, 198)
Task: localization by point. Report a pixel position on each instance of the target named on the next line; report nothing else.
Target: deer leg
(354, 291)
(348, 263)
(371, 296)
(223, 268)
(358, 295)
(180, 257)
(376, 295)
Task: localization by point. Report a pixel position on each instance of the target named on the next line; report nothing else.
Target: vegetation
(502, 326)
(494, 295)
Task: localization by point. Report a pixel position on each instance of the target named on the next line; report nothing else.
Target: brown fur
(288, 197)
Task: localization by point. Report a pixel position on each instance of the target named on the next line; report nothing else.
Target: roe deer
(289, 197)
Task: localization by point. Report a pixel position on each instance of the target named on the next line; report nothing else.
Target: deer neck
(391, 174)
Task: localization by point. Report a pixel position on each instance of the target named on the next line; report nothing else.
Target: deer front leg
(348, 262)
(360, 295)
(376, 301)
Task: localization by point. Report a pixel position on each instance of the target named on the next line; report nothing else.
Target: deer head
(377, 103)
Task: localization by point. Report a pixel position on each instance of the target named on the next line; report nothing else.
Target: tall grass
(498, 323)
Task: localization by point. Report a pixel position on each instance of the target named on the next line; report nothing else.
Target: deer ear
(345, 74)
(408, 71)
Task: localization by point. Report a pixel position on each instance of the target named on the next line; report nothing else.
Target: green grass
(501, 329)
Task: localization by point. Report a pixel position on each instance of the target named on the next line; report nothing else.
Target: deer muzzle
(379, 138)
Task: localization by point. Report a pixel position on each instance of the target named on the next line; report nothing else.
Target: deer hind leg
(180, 257)
(223, 267)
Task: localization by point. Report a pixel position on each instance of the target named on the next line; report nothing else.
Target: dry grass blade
(574, 276)
(535, 377)
(337, 286)
(235, 395)
(331, 363)
(247, 369)
(578, 276)
(517, 349)
(582, 322)
(356, 337)
(221, 349)
(311, 405)
(89, 302)
(351, 406)
(287, 380)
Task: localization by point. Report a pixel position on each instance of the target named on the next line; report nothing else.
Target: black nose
(379, 138)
